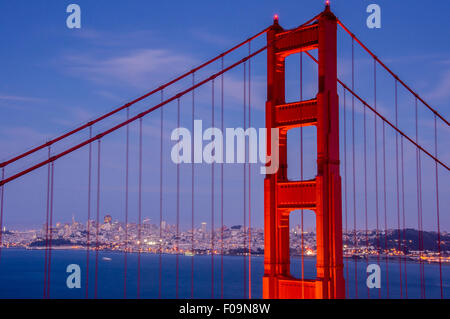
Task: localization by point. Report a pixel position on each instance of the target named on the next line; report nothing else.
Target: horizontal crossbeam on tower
(297, 195)
(296, 114)
(301, 39)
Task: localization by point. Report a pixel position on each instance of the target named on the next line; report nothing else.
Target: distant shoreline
(358, 258)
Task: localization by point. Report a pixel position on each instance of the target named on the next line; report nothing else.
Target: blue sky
(54, 78)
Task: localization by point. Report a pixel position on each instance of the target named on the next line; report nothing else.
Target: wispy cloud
(146, 68)
(442, 90)
(407, 59)
(210, 38)
(109, 95)
(116, 39)
(24, 132)
(16, 139)
(18, 98)
(74, 115)
(233, 88)
(138, 68)
(18, 102)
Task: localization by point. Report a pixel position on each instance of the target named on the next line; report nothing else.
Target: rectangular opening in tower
(302, 253)
(301, 74)
(302, 153)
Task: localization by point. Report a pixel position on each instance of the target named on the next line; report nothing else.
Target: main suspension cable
(132, 119)
(392, 73)
(385, 120)
(109, 114)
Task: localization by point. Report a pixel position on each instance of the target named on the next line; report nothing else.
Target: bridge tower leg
(321, 194)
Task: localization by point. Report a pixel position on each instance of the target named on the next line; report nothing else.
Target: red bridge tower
(322, 194)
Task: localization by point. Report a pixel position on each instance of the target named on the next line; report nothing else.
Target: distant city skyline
(114, 235)
(54, 78)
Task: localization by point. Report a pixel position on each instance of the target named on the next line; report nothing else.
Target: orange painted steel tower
(322, 194)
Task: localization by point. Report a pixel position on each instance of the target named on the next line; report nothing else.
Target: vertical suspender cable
(192, 193)
(127, 158)
(419, 207)
(221, 187)
(421, 223)
(212, 198)
(398, 191)
(249, 183)
(354, 170)
(46, 224)
(345, 193)
(88, 224)
(2, 189)
(385, 211)
(177, 242)
(97, 218)
(437, 207)
(245, 192)
(376, 164)
(418, 201)
(365, 191)
(302, 271)
(302, 244)
(405, 243)
(50, 229)
(161, 197)
(139, 211)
